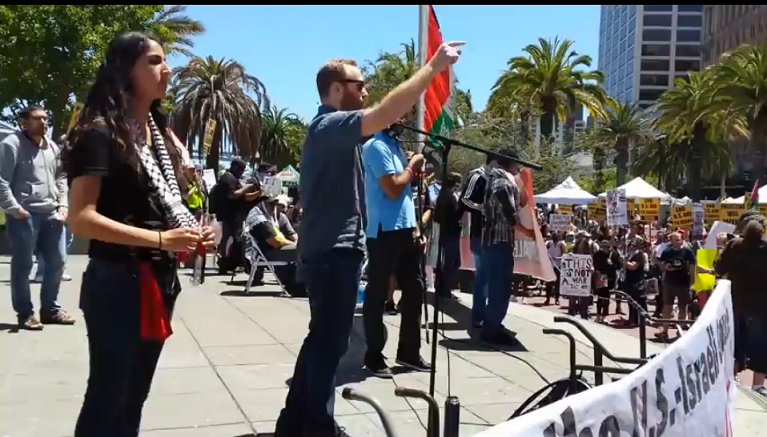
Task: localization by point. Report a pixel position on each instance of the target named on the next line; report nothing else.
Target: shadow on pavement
(241, 293)
(12, 328)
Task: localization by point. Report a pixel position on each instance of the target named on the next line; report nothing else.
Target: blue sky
(285, 45)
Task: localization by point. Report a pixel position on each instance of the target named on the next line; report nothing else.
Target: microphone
(436, 154)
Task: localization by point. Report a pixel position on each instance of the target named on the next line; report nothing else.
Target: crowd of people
(365, 207)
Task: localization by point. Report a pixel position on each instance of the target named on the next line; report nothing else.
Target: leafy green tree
(223, 91)
(49, 54)
(741, 77)
(622, 127)
(282, 135)
(548, 78)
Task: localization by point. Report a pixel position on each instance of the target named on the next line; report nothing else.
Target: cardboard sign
(711, 211)
(75, 113)
(565, 209)
(272, 186)
(763, 210)
(729, 213)
(649, 209)
(631, 207)
(617, 210)
(209, 177)
(697, 222)
(681, 216)
(575, 277)
(560, 222)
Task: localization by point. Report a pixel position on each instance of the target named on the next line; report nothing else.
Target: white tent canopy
(762, 195)
(639, 189)
(566, 193)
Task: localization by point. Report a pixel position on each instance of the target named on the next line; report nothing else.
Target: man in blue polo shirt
(394, 248)
(332, 241)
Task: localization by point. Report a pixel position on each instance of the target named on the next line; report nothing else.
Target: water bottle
(361, 294)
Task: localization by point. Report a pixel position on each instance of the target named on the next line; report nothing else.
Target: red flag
(438, 92)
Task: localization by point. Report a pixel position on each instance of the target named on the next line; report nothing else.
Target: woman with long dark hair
(124, 177)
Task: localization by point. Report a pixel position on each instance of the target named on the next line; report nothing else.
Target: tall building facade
(644, 48)
(728, 26)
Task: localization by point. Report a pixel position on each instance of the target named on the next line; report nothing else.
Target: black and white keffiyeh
(157, 164)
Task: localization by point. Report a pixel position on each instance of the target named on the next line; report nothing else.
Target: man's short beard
(350, 103)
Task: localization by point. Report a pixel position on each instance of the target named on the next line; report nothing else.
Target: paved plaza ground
(224, 372)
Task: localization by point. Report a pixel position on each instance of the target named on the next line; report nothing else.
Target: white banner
(575, 276)
(687, 390)
(560, 222)
(617, 210)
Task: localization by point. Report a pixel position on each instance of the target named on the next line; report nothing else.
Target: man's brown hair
(332, 71)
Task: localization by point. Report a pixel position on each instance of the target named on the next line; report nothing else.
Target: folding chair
(255, 255)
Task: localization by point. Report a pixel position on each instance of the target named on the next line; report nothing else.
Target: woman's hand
(180, 239)
(208, 237)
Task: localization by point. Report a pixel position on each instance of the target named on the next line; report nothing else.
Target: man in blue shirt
(394, 248)
(331, 243)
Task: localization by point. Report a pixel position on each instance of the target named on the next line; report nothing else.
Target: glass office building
(643, 48)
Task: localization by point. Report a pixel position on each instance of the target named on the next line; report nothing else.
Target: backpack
(216, 199)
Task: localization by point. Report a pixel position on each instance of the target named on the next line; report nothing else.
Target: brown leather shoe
(58, 317)
(30, 323)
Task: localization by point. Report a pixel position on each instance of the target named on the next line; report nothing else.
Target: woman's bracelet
(408, 169)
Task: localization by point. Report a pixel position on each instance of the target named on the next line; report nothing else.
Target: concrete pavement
(224, 371)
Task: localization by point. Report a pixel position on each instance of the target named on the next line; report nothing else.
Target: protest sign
(716, 229)
(631, 207)
(697, 221)
(272, 186)
(75, 115)
(649, 209)
(564, 209)
(681, 216)
(560, 222)
(575, 275)
(597, 210)
(712, 212)
(617, 213)
(209, 177)
(687, 390)
(210, 130)
(729, 212)
(763, 210)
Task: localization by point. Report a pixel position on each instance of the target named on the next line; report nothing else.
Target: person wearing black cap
(472, 199)
(503, 201)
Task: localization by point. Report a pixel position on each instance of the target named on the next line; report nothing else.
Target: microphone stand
(452, 405)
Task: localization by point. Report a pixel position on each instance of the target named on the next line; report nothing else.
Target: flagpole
(423, 45)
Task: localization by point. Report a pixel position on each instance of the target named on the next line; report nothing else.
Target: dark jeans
(603, 301)
(394, 253)
(497, 267)
(636, 292)
(232, 258)
(122, 365)
(447, 271)
(332, 280)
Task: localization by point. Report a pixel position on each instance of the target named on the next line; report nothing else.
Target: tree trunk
(547, 121)
(759, 146)
(524, 120)
(599, 165)
(696, 164)
(621, 163)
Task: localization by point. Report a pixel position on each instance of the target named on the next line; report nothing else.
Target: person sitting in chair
(275, 244)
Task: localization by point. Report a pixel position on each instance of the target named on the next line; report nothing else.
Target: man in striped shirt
(503, 201)
(472, 199)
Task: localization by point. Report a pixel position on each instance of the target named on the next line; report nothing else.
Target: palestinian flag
(753, 199)
(438, 115)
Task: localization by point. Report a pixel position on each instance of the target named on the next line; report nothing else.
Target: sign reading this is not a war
(575, 277)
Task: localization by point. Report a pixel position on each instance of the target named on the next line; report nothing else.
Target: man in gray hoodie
(33, 193)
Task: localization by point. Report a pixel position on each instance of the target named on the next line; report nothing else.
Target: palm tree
(622, 127)
(697, 122)
(390, 70)
(276, 132)
(175, 30)
(742, 80)
(220, 90)
(548, 79)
